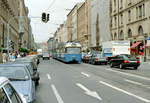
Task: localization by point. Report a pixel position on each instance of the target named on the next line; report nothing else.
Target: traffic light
(44, 17)
(47, 17)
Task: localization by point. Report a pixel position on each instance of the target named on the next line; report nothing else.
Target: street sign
(148, 41)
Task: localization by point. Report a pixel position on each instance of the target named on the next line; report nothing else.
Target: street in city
(86, 83)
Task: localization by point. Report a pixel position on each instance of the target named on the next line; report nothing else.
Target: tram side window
(3, 97)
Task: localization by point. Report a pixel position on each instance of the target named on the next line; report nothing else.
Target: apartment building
(130, 20)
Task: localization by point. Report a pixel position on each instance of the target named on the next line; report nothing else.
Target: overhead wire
(50, 5)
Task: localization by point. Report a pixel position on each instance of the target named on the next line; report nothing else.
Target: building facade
(130, 20)
(72, 23)
(10, 12)
(82, 36)
(100, 23)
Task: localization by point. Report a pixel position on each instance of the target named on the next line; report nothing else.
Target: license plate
(132, 61)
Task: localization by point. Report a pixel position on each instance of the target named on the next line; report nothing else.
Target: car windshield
(73, 50)
(14, 73)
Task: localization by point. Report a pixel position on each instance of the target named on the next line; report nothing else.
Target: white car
(8, 94)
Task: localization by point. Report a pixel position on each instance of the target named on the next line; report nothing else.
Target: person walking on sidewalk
(4, 57)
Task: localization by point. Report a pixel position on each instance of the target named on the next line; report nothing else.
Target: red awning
(144, 46)
(135, 45)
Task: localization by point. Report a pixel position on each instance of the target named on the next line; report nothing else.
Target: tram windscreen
(73, 50)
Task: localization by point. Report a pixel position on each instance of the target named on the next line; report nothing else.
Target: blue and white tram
(70, 52)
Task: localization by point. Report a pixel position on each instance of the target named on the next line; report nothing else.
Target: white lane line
(89, 92)
(58, 97)
(49, 77)
(137, 83)
(85, 74)
(128, 74)
(133, 82)
(128, 93)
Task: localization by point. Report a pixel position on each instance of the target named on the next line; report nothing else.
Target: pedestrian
(18, 56)
(4, 57)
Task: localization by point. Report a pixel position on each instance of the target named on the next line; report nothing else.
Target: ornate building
(130, 20)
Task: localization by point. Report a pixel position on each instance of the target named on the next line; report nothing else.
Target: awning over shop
(135, 45)
(144, 46)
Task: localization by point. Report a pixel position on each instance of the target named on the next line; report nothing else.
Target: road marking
(49, 77)
(58, 97)
(137, 83)
(128, 74)
(85, 74)
(89, 92)
(133, 82)
(128, 93)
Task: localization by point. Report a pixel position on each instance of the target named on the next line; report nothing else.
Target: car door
(114, 60)
(119, 60)
(12, 94)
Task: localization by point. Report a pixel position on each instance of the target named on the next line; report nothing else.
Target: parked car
(97, 59)
(33, 73)
(46, 56)
(8, 94)
(85, 58)
(123, 61)
(36, 57)
(20, 78)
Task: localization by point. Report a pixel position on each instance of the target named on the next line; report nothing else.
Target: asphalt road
(85, 83)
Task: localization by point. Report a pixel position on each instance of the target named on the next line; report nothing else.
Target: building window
(114, 5)
(136, 12)
(115, 21)
(121, 18)
(129, 33)
(140, 31)
(129, 15)
(143, 9)
(140, 11)
(121, 4)
(115, 36)
(121, 36)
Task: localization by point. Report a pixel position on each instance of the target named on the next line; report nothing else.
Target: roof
(3, 80)
(12, 65)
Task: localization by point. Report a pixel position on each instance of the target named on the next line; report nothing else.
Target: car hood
(23, 87)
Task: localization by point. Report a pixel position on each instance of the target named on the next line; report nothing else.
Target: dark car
(97, 59)
(123, 61)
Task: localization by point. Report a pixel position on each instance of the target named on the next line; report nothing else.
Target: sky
(58, 10)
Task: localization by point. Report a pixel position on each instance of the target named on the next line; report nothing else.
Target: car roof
(3, 80)
(13, 65)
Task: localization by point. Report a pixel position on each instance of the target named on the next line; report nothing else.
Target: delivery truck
(113, 48)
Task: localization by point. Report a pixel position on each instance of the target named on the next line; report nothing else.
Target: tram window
(73, 50)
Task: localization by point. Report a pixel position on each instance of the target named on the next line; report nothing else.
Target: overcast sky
(57, 11)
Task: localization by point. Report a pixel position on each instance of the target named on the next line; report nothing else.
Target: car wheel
(121, 66)
(93, 62)
(135, 68)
